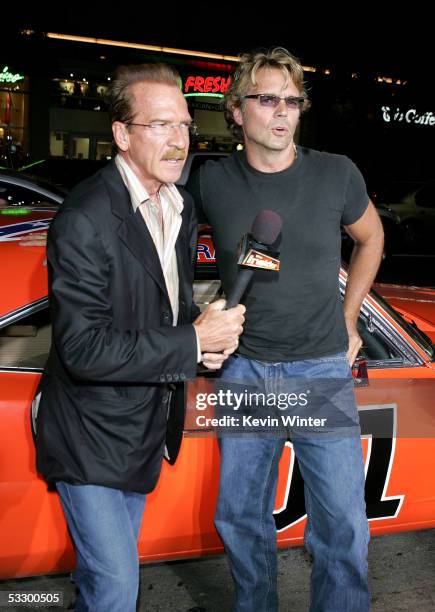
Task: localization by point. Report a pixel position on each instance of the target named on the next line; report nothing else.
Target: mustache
(175, 154)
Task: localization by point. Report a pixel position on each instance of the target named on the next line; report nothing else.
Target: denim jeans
(104, 524)
(332, 467)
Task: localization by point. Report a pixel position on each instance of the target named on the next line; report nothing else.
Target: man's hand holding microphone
(219, 326)
(218, 329)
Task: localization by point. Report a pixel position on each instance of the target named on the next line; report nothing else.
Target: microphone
(255, 252)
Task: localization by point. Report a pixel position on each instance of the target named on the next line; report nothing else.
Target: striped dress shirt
(163, 220)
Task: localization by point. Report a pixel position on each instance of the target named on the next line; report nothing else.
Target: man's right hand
(218, 329)
(35, 239)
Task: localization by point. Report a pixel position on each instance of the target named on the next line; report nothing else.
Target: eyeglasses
(163, 128)
(272, 101)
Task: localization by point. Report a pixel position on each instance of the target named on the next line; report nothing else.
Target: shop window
(103, 149)
(80, 148)
(58, 143)
(66, 87)
(102, 90)
(14, 106)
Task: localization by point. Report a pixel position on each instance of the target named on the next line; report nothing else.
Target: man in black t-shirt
(297, 337)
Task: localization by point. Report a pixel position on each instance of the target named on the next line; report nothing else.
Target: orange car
(395, 388)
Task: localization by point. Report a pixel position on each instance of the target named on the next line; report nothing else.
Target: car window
(16, 195)
(375, 346)
(426, 196)
(26, 343)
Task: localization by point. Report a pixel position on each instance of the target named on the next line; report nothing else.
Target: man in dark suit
(120, 257)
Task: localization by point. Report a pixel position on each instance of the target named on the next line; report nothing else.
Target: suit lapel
(132, 230)
(183, 273)
(134, 233)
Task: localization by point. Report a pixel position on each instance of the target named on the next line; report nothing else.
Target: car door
(32, 529)
(395, 391)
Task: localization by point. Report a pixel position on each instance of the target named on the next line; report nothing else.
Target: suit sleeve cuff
(198, 347)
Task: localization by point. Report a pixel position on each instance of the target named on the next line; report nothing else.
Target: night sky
(399, 43)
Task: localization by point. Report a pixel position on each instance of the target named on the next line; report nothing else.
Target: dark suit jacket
(115, 354)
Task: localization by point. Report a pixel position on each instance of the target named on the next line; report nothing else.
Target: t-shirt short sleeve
(356, 198)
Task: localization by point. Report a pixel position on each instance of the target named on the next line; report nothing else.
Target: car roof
(35, 183)
(196, 159)
(62, 171)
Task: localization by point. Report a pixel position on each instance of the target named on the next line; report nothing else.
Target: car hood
(415, 304)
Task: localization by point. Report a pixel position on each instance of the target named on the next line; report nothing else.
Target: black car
(64, 172)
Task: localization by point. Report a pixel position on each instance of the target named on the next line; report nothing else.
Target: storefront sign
(206, 106)
(411, 116)
(8, 77)
(200, 84)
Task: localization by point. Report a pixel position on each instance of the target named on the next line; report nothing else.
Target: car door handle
(360, 373)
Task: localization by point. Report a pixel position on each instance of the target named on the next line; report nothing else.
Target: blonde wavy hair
(245, 76)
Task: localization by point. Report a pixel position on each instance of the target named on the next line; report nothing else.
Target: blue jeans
(332, 467)
(104, 524)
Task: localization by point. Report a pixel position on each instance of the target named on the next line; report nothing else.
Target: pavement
(402, 579)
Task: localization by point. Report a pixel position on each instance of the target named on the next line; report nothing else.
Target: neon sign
(8, 77)
(410, 116)
(199, 84)
(205, 95)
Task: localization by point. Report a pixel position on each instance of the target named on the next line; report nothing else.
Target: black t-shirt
(295, 313)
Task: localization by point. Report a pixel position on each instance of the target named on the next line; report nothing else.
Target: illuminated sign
(201, 85)
(8, 77)
(12, 212)
(409, 116)
(205, 105)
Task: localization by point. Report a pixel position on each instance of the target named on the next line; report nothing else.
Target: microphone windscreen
(266, 227)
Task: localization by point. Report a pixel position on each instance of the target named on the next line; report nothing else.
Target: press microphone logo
(256, 259)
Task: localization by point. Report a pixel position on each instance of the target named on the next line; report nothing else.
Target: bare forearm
(364, 263)
(363, 267)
